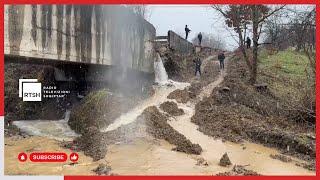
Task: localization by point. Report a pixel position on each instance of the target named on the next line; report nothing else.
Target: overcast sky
(199, 18)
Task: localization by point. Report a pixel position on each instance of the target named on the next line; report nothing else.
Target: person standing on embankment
(197, 63)
(200, 38)
(187, 30)
(221, 58)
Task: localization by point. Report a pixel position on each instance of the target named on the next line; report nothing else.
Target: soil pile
(239, 170)
(225, 161)
(98, 109)
(171, 108)
(102, 169)
(281, 157)
(181, 96)
(202, 162)
(93, 143)
(158, 127)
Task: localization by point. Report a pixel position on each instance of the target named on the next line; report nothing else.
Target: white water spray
(161, 76)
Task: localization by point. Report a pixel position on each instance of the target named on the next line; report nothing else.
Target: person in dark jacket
(197, 63)
(187, 30)
(221, 58)
(248, 42)
(200, 38)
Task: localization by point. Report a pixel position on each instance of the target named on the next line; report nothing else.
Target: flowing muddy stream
(58, 130)
(148, 156)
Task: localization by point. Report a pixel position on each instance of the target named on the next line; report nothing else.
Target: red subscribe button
(48, 157)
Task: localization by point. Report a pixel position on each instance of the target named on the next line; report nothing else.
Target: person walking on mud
(200, 38)
(248, 42)
(187, 30)
(221, 58)
(197, 63)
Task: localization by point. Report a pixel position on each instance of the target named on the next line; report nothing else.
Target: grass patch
(286, 73)
(285, 63)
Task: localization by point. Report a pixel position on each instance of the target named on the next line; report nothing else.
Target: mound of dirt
(281, 157)
(98, 109)
(239, 170)
(171, 108)
(157, 126)
(225, 161)
(102, 169)
(181, 96)
(92, 143)
(202, 162)
(310, 166)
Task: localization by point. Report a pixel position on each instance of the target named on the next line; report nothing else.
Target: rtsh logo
(30, 89)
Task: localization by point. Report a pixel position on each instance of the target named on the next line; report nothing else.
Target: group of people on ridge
(221, 55)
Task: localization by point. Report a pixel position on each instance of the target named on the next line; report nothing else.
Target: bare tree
(239, 17)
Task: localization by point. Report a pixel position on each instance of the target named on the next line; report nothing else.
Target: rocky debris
(225, 89)
(157, 126)
(261, 87)
(310, 166)
(102, 169)
(202, 162)
(171, 108)
(225, 161)
(239, 170)
(281, 157)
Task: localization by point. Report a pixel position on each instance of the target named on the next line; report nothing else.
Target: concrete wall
(179, 44)
(108, 35)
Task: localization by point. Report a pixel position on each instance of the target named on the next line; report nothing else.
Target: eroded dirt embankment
(241, 112)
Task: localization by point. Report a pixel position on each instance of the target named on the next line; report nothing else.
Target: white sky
(199, 18)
